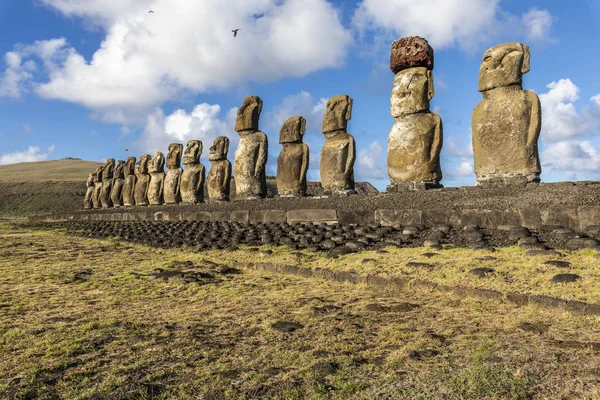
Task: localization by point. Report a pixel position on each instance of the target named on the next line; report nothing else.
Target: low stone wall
(576, 218)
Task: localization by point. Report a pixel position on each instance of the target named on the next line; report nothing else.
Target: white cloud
(14, 76)
(186, 46)
(464, 169)
(33, 153)
(574, 159)
(457, 148)
(302, 104)
(445, 23)
(372, 162)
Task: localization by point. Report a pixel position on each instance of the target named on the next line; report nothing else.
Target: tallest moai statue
(507, 122)
(415, 140)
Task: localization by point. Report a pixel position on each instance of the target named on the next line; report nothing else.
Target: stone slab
(266, 216)
(311, 216)
(356, 217)
(402, 217)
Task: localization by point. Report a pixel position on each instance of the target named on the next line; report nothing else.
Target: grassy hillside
(58, 170)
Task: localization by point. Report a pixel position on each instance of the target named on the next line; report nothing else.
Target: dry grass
(107, 333)
(56, 170)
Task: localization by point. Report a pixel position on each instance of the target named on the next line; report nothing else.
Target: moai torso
(97, 188)
(89, 193)
(192, 180)
(116, 193)
(157, 179)
(173, 176)
(107, 180)
(339, 151)
(129, 184)
(142, 183)
(218, 180)
(506, 124)
(292, 163)
(252, 151)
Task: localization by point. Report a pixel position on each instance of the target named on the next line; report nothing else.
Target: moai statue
(107, 180)
(142, 180)
(506, 124)
(192, 180)
(339, 151)
(89, 193)
(129, 185)
(156, 168)
(173, 176)
(219, 177)
(251, 154)
(292, 163)
(116, 193)
(97, 187)
(415, 140)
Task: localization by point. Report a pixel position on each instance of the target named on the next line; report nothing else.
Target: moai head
(98, 174)
(141, 167)
(157, 164)
(292, 130)
(413, 88)
(503, 65)
(192, 152)
(218, 151)
(109, 167)
(248, 114)
(90, 180)
(129, 168)
(174, 155)
(410, 52)
(338, 113)
(118, 173)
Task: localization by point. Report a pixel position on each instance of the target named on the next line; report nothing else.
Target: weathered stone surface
(219, 177)
(116, 193)
(409, 52)
(192, 180)
(311, 216)
(107, 176)
(252, 152)
(172, 183)
(339, 150)
(142, 180)
(506, 124)
(267, 216)
(402, 217)
(129, 184)
(157, 179)
(89, 193)
(292, 163)
(241, 216)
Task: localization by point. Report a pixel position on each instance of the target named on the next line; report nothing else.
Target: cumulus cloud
(572, 159)
(186, 46)
(33, 153)
(303, 104)
(446, 23)
(371, 162)
(15, 76)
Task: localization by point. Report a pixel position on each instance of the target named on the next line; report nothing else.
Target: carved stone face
(503, 65)
(109, 167)
(192, 152)
(129, 166)
(218, 151)
(292, 130)
(157, 164)
(174, 155)
(118, 173)
(98, 174)
(143, 164)
(248, 114)
(337, 114)
(413, 88)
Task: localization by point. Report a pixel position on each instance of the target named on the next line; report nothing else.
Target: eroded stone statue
(251, 154)
(506, 124)
(415, 140)
(173, 176)
(156, 168)
(192, 180)
(142, 180)
(116, 193)
(97, 187)
(292, 163)
(107, 179)
(129, 185)
(89, 193)
(219, 177)
(339, 151)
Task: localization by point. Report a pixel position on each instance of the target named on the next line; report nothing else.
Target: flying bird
(150, 12)
(235, 31)
(126, 149)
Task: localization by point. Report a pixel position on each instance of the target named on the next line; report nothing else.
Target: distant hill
(66, 170)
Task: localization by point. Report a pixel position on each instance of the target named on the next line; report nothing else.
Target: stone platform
(567, 204)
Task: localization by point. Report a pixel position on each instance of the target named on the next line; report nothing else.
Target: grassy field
(103, 319)
(56, 170)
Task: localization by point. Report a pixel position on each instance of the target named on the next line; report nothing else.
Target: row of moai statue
(506, 126)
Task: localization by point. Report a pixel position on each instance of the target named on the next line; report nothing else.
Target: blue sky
(89, 79)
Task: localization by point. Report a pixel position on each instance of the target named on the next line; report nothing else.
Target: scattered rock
(535, 327)
(325, 368)
(286, 327)
(429, 255)
(368, 260)
(484, 259)
(481, 272)
(420, 354)
(558, 263)
(565, 278)
(414, 264)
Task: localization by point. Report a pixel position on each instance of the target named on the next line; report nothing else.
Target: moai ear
(260, 104)
(200, 147)
(430, 88)
(526, 60)
(226, 145)
(348, 115)
(302, 126)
